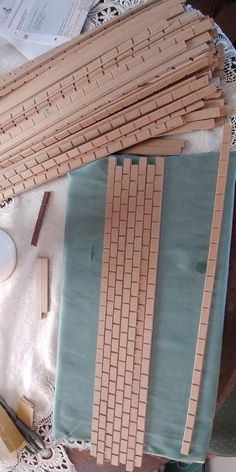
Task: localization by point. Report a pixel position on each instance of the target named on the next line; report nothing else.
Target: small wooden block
(42, 270)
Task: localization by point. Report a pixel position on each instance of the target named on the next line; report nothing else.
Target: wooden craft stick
(195, 390)
(42, 272)
(40, 219)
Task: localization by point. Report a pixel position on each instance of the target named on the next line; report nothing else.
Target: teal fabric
(189, 188)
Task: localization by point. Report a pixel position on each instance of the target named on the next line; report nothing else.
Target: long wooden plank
(198, 368)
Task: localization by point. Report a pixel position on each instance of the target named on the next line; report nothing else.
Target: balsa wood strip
(157, 146)
(194, 126)
(97, 419)
(195, 389)
(42, 275)
(151, 192)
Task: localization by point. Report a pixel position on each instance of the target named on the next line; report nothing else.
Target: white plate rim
(12, 255)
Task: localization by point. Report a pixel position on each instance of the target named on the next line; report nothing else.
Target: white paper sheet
(38, 21)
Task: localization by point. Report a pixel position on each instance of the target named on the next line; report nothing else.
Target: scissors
(34, 440)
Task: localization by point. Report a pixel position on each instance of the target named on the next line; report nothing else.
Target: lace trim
(55, 458)
(6, 203)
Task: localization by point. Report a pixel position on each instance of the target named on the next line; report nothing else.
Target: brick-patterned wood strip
(128, 285)
(208, 289)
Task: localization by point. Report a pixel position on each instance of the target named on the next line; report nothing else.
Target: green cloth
(189, 188)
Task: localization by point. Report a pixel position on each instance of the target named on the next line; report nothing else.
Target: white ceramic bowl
(7, 256)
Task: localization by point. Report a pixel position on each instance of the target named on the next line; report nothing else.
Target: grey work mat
(189, 188)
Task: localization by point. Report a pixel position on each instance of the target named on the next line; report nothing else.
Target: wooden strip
(103, 307)
(42, 269)
(130, 299)
(218, 209)
(200, 115)
(148, 272)
(194, 126)
(157, 146)
(40, 219)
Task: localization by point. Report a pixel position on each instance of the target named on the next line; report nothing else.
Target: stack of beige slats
(151, 73)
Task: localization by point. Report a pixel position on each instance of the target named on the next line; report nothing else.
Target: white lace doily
(54, 458)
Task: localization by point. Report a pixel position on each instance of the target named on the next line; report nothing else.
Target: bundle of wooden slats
(150, 73)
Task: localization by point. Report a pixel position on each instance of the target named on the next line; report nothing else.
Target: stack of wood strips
(150, 73)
